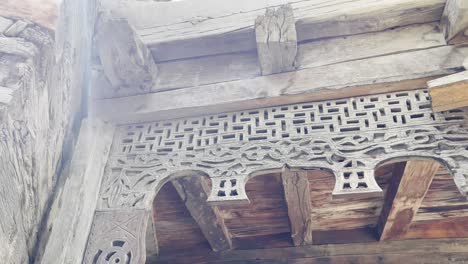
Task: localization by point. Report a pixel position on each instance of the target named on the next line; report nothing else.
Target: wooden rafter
(297, 195)
(405, 193)
(455, 21)
(193, 191)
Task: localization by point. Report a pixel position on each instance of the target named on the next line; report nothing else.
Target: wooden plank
(207, 27)
(44, 12)
(449, 92)
(126, 61)
(193, 191)
(455, 21)
(297, 196)
(342, 252)
(405, 193)
(275, 33)
(402, 71)
(228, 67)
(6, 95)
(451, 227)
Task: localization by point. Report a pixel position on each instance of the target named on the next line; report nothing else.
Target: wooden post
(193, 191)
(405, 193)
(297, 195)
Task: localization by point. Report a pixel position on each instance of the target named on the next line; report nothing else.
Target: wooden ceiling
(264, 223)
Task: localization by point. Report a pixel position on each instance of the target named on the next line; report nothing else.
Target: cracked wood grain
(297, 195)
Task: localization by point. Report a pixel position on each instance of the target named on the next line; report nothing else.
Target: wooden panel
(404, 195)
(193, 191)
(265, 215)
(453, 227)
(297, 196)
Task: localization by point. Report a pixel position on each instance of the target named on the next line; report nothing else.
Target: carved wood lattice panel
(349, 137)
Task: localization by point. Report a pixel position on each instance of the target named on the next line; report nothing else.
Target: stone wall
(39, 106)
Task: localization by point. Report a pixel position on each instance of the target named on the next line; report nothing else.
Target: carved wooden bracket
(276, 40)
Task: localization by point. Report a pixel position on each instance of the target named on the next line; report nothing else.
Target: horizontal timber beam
(441, 250)
(395, 72)
(185, 29)
(449, 92)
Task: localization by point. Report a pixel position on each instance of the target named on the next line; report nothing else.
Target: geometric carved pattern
(350, 137)
(117, 237)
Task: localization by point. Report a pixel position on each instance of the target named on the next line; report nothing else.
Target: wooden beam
(395, 72)
(297, 195)
(44, 12)
(127, 62)
(193, 191)
(449, 92)
(405, 193)
(196, 28)
(441, 250)
(276, 40)
(455, 21)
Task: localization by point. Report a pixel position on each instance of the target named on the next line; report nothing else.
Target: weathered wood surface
(297, 196)
(401, 71)
(44, 12)
(67, 240)
(193, 192)
(199, 28)
(410, 183)
(455, 21)
(449, 92)
(127, 62)
(275, 34)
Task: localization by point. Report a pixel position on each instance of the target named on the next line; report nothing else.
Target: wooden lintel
(405, 193)
(276, 38)
(455, 21)
(193, 191)
(126, 61)
(297, 196)
(449, 92)
(186, 29)
(395, 72)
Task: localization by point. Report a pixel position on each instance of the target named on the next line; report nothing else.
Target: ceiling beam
(297, 196)
(195, 28)
(193, 191)
(276, 38)
(126, 61)
(405, 193)
(395, 72)
(455, 21)
(449, 92)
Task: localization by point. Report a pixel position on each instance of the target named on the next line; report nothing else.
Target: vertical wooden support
(152, 246)
(276, 40)
(297, 195)
(454, 21)
(405, 193)
(193, 191)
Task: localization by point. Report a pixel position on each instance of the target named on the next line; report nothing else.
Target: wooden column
(193, 191)
(276, 40)
(449, 92)
(455, 21)
(405, 193)
(297, 195)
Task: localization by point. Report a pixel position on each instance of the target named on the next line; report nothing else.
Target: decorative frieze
(350, 137)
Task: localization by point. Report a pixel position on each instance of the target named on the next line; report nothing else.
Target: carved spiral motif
(118, 253)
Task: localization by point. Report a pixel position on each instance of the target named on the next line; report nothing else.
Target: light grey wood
(341, 49)
(126, 61)
(80, 193)
(194, 193)
(6, 94)
(455, 18)
(16, 28)
(222, 68)
(409, 70)
(275, 33)
(199, 28)
(5, 23)
(18, 47)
